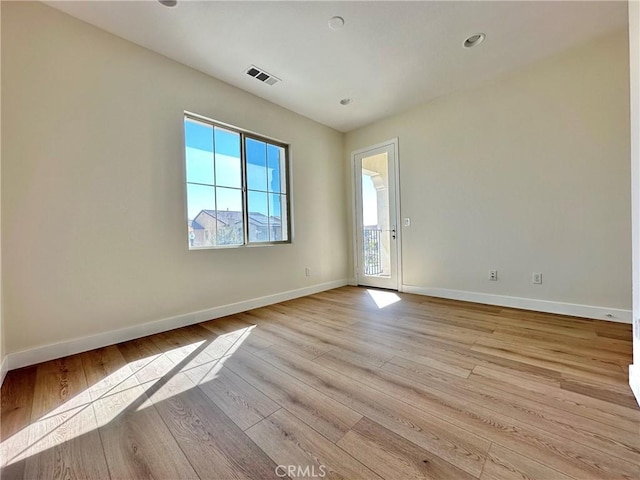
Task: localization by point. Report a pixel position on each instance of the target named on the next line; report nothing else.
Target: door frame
(354, 209)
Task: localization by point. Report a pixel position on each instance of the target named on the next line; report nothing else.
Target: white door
(376, 204)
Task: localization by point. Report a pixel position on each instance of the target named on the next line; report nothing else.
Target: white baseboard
(634, 381)
(576, 310)
(79, 345)
(4, 367)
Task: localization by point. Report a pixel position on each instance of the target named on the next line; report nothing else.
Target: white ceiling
(389, 56)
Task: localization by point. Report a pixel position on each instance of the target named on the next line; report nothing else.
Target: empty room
(312, 239)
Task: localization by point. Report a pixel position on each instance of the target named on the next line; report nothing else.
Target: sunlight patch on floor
(383, 299)
(127, 390)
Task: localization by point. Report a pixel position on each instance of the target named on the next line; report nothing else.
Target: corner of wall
(3, 356)
(634, 85)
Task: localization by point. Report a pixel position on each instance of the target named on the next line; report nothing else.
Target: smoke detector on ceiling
(260, 74)
(336, 23)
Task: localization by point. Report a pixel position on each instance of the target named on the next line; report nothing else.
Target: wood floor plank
(288, 441)
(304, 311)
(244, 404)
(392, 456)
(63, 436)
(586, 372)
(199, 353)
(194, 344)
(17, 400)
(230, 328)
(188, 346)
(341, 343)
(15, 420)
(440, 331)
(66, 445)
(605, 438)
(415, 319)
(607, 332)
(105, 370)
(60, 384)
(384, 334)
(560, 361)
(145, 359)
(606, 412)
(554, 324)
(322, 413)
(152, 369)
(369, 358)
(277, 335)
(603, 350)
(503, 464)
(136, 442)
(214, 445)
(299, 311)
(443, 365)
(364, 339)
(138, 350)
(618, 394)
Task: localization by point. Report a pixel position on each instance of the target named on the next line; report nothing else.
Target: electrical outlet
(536, 278)
(307, 272)
(493, 275)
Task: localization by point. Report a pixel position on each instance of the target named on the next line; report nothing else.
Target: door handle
(393, 232)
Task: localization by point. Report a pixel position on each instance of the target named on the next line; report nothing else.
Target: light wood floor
(331, 384)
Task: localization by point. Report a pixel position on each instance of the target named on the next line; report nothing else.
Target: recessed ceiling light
(336, 23)
(345, 101)
(473, 40)
(168, 3)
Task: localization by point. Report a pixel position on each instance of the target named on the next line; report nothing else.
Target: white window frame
(244, 134)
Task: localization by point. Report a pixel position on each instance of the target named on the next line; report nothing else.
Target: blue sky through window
(265, 171)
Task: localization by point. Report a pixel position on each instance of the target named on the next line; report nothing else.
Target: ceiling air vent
(261, 75)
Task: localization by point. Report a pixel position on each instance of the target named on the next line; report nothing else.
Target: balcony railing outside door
(372, 257)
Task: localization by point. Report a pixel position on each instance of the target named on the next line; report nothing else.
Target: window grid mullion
(245, 195)
(215, 186)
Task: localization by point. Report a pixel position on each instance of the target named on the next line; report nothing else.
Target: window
(236, 186)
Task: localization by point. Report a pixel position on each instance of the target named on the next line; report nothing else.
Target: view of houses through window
(236, 187)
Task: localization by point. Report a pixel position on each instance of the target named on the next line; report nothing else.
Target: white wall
(529, 172)
(3, 365)
(93, 222)
(634, 62)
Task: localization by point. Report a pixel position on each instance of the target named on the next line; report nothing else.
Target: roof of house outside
(195, 225)
(229, 217)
